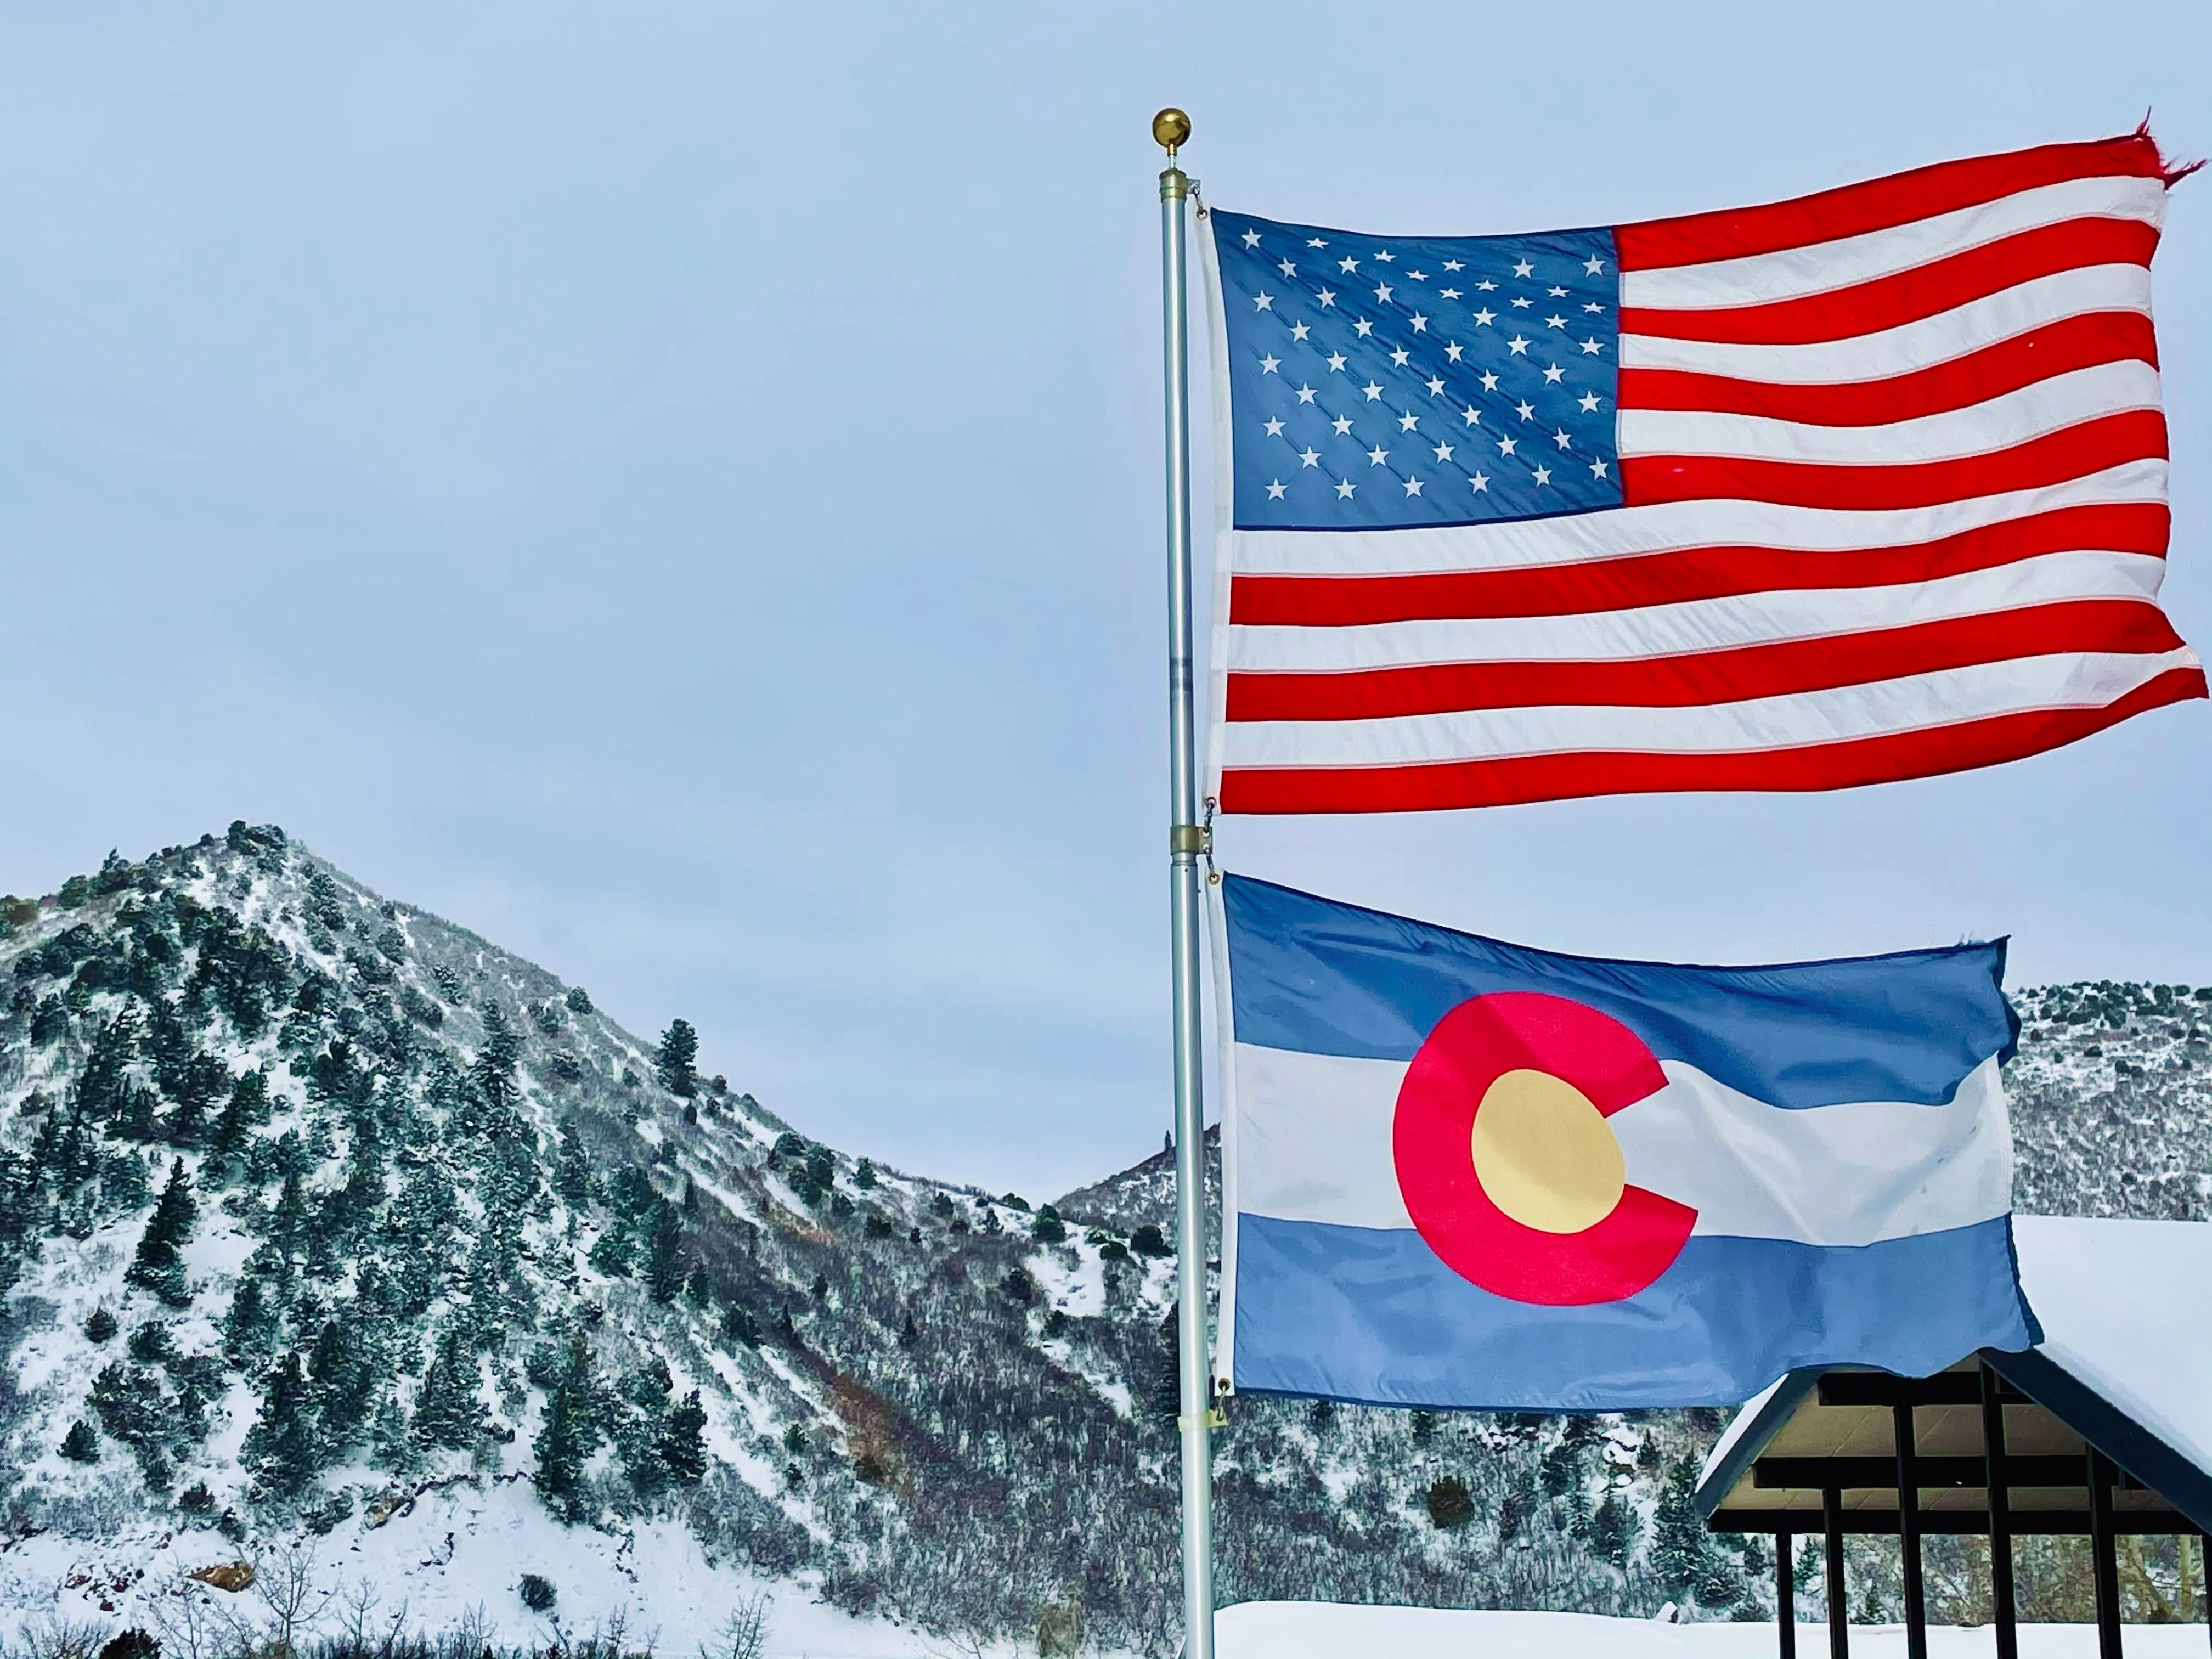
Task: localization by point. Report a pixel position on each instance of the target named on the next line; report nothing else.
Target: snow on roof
(2122, 1308)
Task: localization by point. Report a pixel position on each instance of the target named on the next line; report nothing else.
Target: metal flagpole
(1187, 843)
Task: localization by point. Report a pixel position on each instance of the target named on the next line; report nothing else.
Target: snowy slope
(455, 1263)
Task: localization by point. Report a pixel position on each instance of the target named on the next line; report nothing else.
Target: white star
(1344, 489)
(1269, 365)
(1251, 239)
(1327, 298)
(1311, 457)
(1597, 468)
(1486, 317)
(1553, 374)
(1555, 322)
(1275, 490)
(1377, 455)
(1452, 351)
(1448, 293)
(1561, 439)
(1522, 304)
(1408, 420)
(1451, 265)
(1557, 293)
(1595, 266)
(1518, 346)
(1591, 347)
(1543, 475)
(1471, 415)
(1400, 357)
(1589, 401)
(1305, 394)
(1524, 269)
(1382, 293)
(1417, 276)
(1316, 241)
(1336, 362)
(1421, 324)
(1362, 328)
(1436, 386)
(1374, 391)
(1386, 257)
(1412, 486)
(1265, 303)
(1274, 428)
(1289, 270)
(1490, 382)
(1347, 264)
(1480, 481)
(1507, 445)
(1594, 306)
(1299, 331)
(1343, 425)
(1525, 409)
(1443, 452)
(1485, 286)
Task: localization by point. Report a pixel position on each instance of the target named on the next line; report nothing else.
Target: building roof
(2125, 1365)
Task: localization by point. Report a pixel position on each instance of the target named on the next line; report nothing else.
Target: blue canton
(1386, 382)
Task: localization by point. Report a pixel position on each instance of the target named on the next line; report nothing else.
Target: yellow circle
(1546, 1156)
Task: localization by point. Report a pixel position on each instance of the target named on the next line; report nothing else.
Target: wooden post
(1840, 1616)
(1785, 1597)
(1908, 1531)
(2004, 1614)
(2104, 1554)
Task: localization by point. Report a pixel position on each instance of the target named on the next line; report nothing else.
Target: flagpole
(1187, 841)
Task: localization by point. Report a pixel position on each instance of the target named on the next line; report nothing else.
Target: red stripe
(1692, 573)
(1694, 680)
(2071, 452)
(1523, 778)
(1907, 296)
(1879, 204)
(2059, 348)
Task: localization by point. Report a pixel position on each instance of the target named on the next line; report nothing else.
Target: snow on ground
(459, 1555)
(1315, 1629)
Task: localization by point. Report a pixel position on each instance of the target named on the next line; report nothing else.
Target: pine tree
(568, 1435)
(679, 1049)
(446, 1410)
(576, 1164)
(664, 1272)
(249, 1330)
(158, 1267)
(493, 1073)
(283, 1442)
(683, 1447)
(1679, 1548)
(82, 1444)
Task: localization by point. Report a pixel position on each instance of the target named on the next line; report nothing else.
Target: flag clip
(1190, 838)
(1212, 1418)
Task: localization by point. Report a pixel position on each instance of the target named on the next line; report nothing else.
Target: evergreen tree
(82, 1444)
(246, 1109)
(576, 1164)
(158, 1267)
(663, 1270)
(446, 1410)
(493, 1073)
(679, 1049)
(683, 1447)
(1612, 1529)
(283, 1443)
(570, 1433)
(249, 1330)
(1680, 1548)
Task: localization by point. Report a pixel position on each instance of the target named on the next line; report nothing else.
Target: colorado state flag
(1462, 1173)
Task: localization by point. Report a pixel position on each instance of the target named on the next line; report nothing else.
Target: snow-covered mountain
(331, 1232)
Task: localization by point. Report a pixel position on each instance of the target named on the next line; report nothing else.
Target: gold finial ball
(1171, 130)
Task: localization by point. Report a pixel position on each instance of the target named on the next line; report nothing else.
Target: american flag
(1863, 486)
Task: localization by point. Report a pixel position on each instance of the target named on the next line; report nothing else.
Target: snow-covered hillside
(329, 1231)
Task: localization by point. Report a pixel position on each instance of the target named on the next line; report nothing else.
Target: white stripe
(1914, 702)
(1889, 351)
(1631, 530)
(1824, 267)
(1690, 625)
(1313, 1139)
(1982, 428)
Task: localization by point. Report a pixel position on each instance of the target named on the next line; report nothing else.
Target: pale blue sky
(675, 488)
